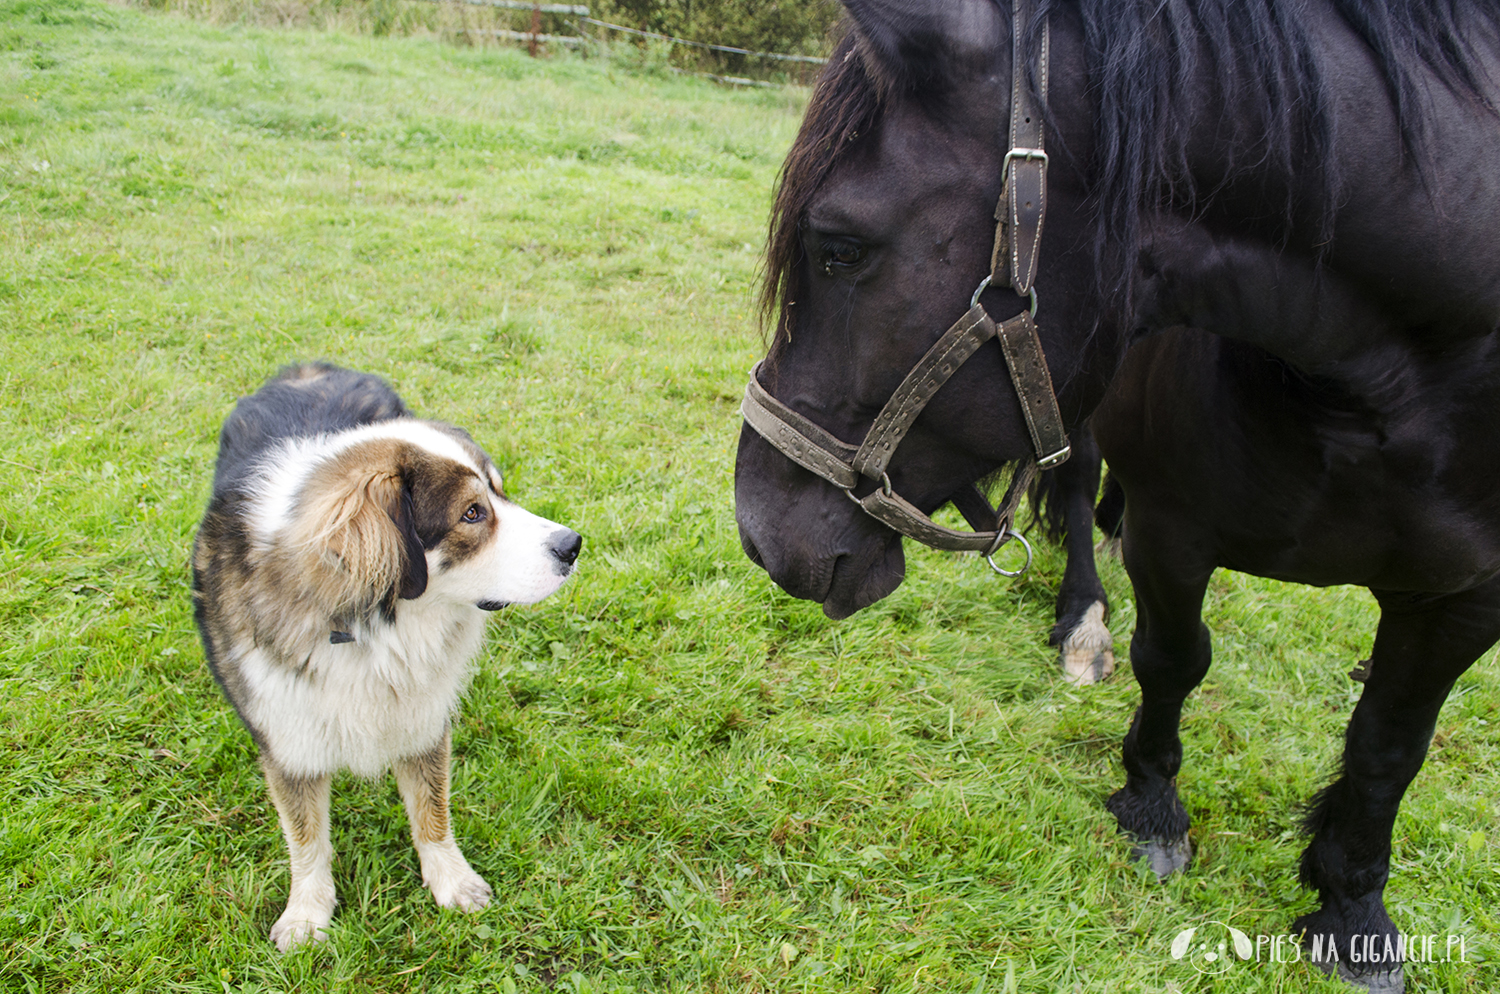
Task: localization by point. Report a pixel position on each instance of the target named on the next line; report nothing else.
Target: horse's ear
(925, 44)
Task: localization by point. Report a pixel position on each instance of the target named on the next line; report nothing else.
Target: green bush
(759, 25)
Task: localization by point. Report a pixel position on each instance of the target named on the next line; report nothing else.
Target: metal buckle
(1055, 459)
(1007, 533)
(1023, 153)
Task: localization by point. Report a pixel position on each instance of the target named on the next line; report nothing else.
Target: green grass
(675, 777)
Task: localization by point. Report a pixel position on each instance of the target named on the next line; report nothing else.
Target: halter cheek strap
(1020, 214)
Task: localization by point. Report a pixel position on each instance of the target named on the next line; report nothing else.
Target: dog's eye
(474, 513)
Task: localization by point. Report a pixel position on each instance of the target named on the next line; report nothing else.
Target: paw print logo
(1212, 947)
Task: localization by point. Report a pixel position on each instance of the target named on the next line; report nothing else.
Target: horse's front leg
(1085, 647)
(1169, 654)
(1423, 645)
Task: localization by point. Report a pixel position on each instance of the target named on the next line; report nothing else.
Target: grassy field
(676, 778)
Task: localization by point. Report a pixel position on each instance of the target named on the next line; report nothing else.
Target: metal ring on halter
(984, 285)
(1008, 533)
(885, 488)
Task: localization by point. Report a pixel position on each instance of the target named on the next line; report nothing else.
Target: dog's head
(407, 509)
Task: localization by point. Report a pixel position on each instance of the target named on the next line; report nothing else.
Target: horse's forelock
(885, 52)
(844, 108)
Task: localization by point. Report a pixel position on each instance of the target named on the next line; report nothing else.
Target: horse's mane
(1147, 64)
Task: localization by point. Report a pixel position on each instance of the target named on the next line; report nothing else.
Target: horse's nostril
(565, 546)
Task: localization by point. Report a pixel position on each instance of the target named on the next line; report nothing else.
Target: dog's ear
(356, 524)
(414, 567)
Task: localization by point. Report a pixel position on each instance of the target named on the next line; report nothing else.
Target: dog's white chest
(362, 705)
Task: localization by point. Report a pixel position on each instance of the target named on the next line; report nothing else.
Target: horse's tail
(1049, 514)
(1109, 513)
(1047, 510)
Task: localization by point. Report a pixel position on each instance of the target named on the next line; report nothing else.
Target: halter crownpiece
(1019, 215)
(1023, 195)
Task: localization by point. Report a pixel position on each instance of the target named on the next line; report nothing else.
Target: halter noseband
(1018, 234)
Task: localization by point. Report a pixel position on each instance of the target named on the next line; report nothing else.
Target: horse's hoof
(1391, 981)
(1083, 668)
(1087, 654)
(1164, 856)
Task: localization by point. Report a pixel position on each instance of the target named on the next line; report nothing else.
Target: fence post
(536, 27)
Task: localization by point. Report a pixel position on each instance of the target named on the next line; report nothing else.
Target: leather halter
(1019, 215)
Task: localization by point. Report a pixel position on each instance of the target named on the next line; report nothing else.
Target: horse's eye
(841, 253)
(474, 513)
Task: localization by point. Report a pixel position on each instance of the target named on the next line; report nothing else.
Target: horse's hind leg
(1085, 647)
(1169, 654)
(1423, 644)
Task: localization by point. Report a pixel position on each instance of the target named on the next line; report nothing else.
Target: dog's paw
(298, 926)
(453, 883)
(464, 890)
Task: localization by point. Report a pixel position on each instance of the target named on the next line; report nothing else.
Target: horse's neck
(1413, 262)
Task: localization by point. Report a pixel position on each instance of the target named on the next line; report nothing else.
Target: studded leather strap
(797, 438)
(1028, 371)
(929, 374)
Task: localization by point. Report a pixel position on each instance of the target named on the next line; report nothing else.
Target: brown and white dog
(341, 579)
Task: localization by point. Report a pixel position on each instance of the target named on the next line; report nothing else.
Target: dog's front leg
(424, 788)
(302, 803)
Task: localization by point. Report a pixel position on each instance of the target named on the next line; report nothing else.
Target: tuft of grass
(676, 778)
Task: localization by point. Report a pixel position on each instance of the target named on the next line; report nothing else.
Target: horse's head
(882, 230)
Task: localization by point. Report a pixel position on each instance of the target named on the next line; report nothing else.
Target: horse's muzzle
(812, 541)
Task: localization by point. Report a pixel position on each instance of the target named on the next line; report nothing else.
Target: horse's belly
(1375, 545)
(1282, 482)
(1356, 506)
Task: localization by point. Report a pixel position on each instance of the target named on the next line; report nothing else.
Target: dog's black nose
(565, 545)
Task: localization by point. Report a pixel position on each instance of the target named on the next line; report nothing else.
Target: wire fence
(578, 16)
(812, 59)
(541, 8)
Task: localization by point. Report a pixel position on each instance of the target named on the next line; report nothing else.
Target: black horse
(1313, 184)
